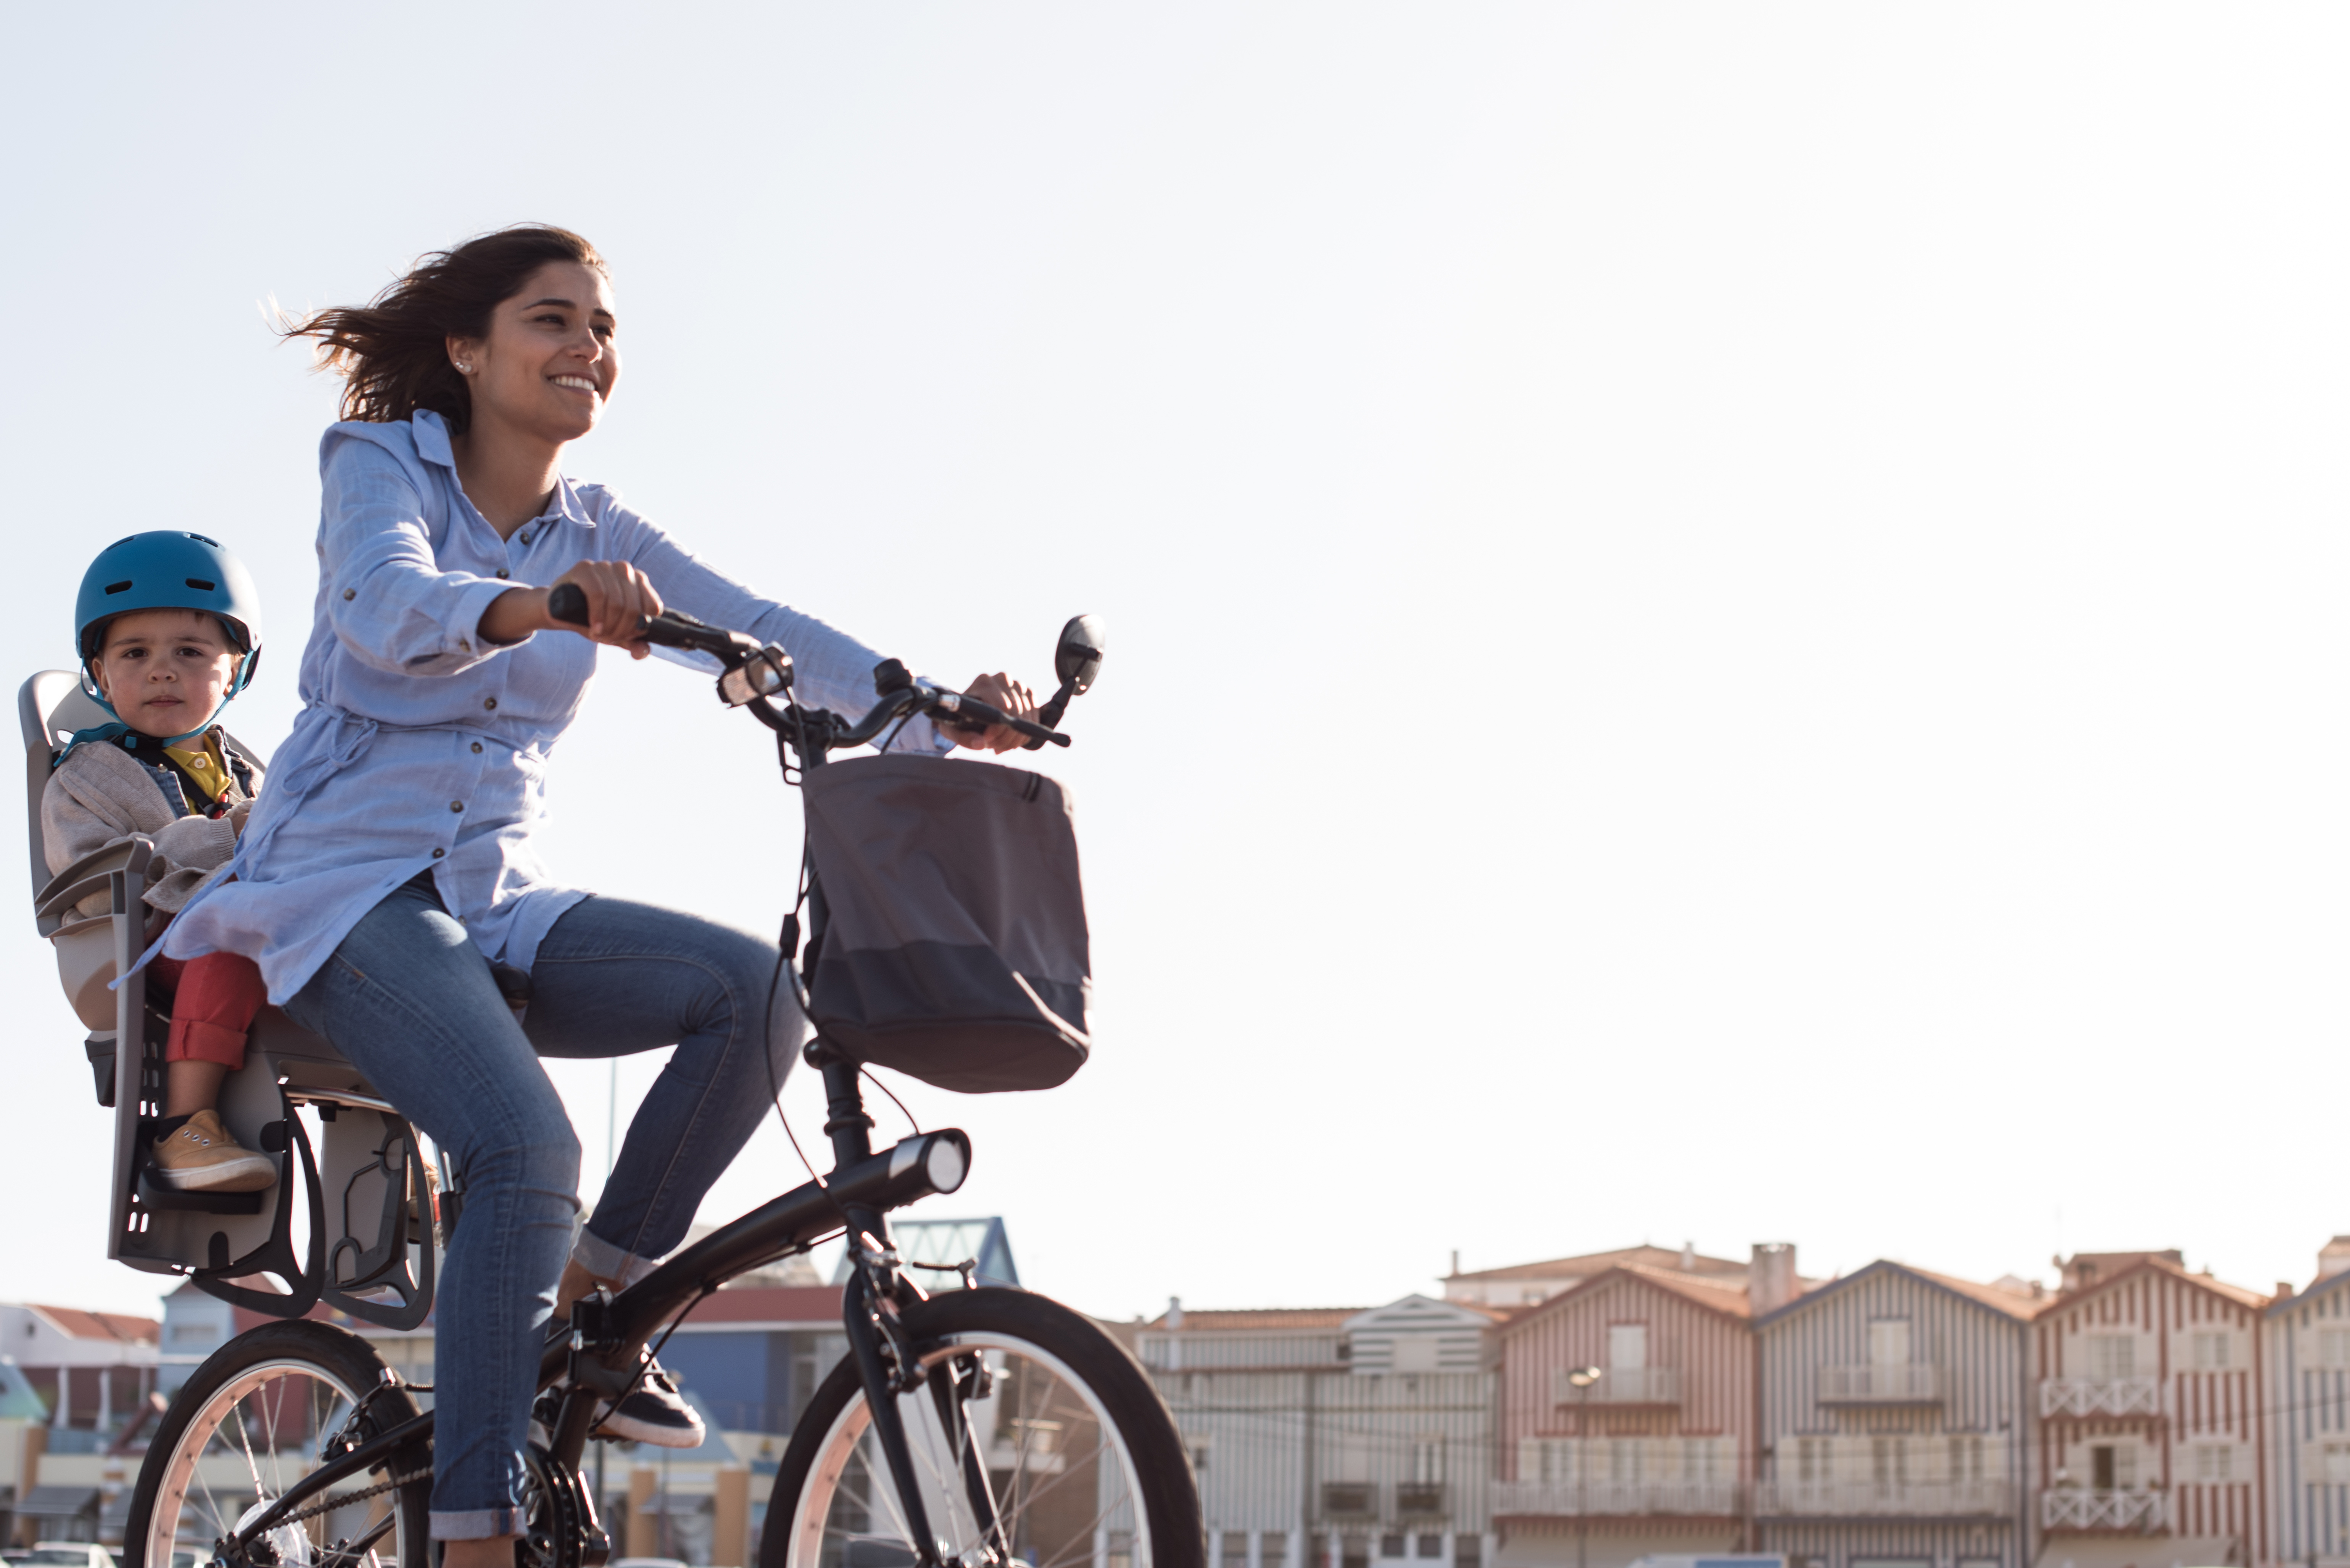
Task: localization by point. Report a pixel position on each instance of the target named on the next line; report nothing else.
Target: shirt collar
(431, 437)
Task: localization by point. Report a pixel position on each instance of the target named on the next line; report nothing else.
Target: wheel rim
(256, 1436)
(1063, 1481)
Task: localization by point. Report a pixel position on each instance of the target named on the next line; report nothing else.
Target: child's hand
(236, 816)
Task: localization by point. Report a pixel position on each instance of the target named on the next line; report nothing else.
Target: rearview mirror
(1078, 658)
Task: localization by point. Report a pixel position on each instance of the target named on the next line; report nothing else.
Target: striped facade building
(1334, 1438)
(1626, 1419)
(1895, 1423)
(2305, 1354)
(2151, 1449)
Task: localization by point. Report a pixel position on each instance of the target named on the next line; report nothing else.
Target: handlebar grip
(566, 602)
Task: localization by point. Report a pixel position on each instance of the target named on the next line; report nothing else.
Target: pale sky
(1726, 618)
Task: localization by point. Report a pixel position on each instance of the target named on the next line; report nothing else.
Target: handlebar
(752, 674)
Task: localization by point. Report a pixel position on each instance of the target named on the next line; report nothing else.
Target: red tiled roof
(2020, 1307)
(1258, 1319)
(1593, 1263)
(121, 1328)
(1716, 1295)
(2158, 1263)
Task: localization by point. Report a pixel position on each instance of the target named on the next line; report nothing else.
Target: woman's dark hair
(393, 351)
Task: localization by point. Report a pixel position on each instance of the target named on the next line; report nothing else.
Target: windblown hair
(393, 351)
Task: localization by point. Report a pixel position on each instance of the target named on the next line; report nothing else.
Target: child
(166, 630)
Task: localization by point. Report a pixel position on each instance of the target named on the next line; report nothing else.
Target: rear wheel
(1082, 1466)
(256, 1417)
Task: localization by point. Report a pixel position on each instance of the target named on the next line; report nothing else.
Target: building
(1529, 1285)
(2305, 1354)
(1333, 1437)
(1895, 1423)
(2149, 1452)
(1626, 1415)
(91, 1369)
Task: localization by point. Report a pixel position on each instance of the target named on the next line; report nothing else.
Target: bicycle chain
(344, 1500)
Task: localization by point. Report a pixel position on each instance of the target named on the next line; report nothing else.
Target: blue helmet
(169, 570)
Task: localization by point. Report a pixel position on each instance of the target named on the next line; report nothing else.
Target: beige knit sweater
(101, 795)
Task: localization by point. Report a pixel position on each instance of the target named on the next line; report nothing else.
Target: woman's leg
(614, 976)
(410, 999)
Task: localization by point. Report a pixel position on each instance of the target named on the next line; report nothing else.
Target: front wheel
(1081, 1465)
(261, 1413)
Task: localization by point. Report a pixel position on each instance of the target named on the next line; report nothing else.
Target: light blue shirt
(421, 747)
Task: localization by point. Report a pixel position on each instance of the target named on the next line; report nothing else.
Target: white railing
(2078, 1507)
(2100, 1397)
(1832, 1499)
(1621, 1386)
(1571, 1500)
(1908, 1385)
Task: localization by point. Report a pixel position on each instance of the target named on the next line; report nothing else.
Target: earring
(465, 369)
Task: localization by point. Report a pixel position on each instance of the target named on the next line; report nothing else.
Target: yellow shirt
(207, 766)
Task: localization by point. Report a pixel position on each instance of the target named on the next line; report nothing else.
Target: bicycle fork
(885, 1355)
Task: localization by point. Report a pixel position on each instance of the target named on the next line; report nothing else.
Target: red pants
(213, 999)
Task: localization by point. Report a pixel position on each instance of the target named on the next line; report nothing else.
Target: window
(1888, 1342)
(2333, 1347)
(1199, 1456)
(1413, 1353)
(2215, 1463)
(1623, 1455)
(1698, 1460)
(1431, 1547)
(2211, 1352)
(2334, 1463)
(1235, 1549)
(1428, 1459)
(1391, 1546)
(1815, 1459)
(1272, 1548)
(1628, 1347)
(2113, 1467)
(1121, 1549)
(1967, 1457)
(1467, 1550)
(2112, 1355)
(1888, 1462)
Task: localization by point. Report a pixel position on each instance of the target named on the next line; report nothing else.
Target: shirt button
(477, 747)
(491, 703)
(502, 571)
(525, 538)
(438, 853)
(351, 593)
(456, 805)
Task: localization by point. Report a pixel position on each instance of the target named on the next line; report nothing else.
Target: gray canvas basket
(955, 945)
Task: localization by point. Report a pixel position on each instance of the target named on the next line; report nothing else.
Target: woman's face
(550, 360)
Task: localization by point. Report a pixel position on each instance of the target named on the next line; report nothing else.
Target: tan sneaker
(200, 1156)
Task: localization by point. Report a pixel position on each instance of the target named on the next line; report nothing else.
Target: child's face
(165, 671)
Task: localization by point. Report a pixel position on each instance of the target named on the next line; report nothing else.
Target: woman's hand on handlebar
(619, 598)
(1001, 691)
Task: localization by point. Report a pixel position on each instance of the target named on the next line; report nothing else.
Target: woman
(390, 864)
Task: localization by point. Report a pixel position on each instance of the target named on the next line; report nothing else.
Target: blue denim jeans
(410, 999)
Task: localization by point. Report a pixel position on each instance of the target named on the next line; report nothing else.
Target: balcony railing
(2078, 1507)
(1827, 1500)
(1907, 1384)
(1617, 1499)
(1622, 1386)
(2100, 1397)
(1420, 1499)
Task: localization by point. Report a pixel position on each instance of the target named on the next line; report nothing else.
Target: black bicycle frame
(855, 1199)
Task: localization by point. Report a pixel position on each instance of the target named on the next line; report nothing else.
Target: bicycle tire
(309, 1376)
(1025, 1335)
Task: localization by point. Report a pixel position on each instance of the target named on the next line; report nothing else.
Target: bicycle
(974, 1429)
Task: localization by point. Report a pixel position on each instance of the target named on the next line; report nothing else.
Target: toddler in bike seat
(166, 630)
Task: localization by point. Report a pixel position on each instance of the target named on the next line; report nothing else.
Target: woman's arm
(831, 669)
(390, 604)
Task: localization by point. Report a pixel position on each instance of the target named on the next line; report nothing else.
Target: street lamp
(1580, 1380)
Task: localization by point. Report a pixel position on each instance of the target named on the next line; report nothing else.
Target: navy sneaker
(652, 1412)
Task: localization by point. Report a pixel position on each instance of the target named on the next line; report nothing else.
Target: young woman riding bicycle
(389, 865)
